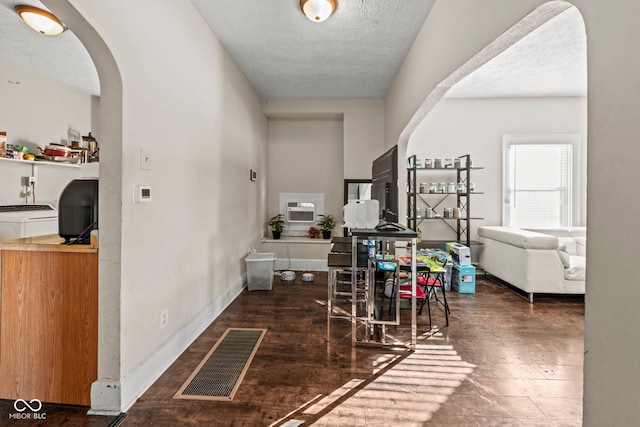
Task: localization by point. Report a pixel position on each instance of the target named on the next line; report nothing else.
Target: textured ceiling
(354, 54)
(61, 57)
(549, 61)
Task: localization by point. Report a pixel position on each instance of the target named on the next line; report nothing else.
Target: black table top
(374, 232)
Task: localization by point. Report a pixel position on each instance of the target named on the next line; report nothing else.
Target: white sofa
(550, 262)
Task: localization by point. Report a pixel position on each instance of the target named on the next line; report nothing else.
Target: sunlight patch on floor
(408, 393)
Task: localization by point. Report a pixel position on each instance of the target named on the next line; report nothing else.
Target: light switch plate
(145, 159)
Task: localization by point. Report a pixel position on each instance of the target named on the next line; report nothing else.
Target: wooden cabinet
(48, 320)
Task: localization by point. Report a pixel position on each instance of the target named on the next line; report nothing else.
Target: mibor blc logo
(27, 410)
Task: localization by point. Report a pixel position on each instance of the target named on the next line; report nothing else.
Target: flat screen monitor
(78, 211)
(384, 188)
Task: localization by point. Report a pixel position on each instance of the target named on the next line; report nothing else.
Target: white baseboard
(105, 397)
(301, 264)
(132, 386)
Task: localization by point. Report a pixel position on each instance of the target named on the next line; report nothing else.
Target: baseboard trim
(105, 398)
(140, 379)
(301, 264)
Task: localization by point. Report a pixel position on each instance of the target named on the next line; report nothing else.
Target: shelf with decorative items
(431, 201)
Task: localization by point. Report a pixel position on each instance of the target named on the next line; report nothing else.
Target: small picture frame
(253, 175)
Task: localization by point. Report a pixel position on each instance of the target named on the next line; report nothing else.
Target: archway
(527, 25)
(105, 393)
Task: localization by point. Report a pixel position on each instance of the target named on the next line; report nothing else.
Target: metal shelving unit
(460, 225)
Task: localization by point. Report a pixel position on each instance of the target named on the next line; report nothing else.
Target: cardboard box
(463, 278)
(460, 253)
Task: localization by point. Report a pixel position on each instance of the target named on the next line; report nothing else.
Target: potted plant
(327, 223)
(276, 224)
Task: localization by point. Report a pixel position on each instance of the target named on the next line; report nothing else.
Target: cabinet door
(49, 326)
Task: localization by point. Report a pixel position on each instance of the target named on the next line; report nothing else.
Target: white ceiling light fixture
(318, 10)
(40, 20)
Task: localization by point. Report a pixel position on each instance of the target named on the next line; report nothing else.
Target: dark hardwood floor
(501, 362)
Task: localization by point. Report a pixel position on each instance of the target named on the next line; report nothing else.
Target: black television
(384, 184)
(78, 211)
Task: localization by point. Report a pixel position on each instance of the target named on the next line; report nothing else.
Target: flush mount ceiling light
(318, 10)
(40, 20)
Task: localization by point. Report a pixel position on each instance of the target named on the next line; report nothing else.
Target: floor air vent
(220, 373)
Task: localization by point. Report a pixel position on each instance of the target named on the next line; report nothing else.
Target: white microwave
(301, 212)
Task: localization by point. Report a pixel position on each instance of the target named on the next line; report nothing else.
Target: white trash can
(260, 271)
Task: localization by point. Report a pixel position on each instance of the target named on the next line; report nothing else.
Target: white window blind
(539, 182)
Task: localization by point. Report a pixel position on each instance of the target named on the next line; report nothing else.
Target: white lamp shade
(40, 20)
(318, 10)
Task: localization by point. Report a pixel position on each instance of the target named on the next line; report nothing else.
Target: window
(540, 181)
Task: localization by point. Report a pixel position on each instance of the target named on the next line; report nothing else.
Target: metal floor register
(220, 373)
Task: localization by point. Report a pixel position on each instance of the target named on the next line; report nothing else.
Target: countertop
(48, 243)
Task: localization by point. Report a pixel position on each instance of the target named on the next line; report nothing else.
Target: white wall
(305, 156)
(362, 124)
(363, 127)
(457, 29)
(34, 113)
(475, 126)
(51, 180)
(453, 32)
(37, 110)
(612, 343)
(188, 106)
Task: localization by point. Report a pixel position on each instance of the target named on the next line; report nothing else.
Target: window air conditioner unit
(301, 212)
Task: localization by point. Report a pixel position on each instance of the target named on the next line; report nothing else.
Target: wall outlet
(28, 180)
(164, 318)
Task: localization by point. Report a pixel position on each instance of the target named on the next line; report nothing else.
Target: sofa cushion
(518, 237)
(569, 244)
(581, 246)
(577, 269)
(565, 258)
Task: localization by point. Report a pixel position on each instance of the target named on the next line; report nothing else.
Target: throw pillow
(570, 245)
